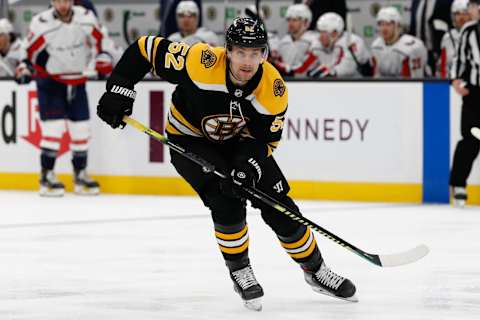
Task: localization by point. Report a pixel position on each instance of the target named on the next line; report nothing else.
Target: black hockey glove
(244, 173)
(23, 72)
(117, 102)
(247, 173)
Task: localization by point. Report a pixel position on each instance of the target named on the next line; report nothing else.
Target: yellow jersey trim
(271, 95)
(206, 66)
(141, 45)
(182, 119)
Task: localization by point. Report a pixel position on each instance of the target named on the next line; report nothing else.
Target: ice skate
(327, 282)
(50, 186)
(459, 197)
(245, 284)
(84, 185)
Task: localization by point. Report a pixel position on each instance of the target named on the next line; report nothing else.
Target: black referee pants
(468, 147)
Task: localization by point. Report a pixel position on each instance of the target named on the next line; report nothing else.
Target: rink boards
(371, 141)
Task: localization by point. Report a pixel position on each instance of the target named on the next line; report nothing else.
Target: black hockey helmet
(248, 33)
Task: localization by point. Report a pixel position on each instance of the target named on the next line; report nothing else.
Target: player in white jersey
(61, 43)
(397, 55)
(187, 20)
(450, 40)
(292, 55)
(13, 57)
(339, 53)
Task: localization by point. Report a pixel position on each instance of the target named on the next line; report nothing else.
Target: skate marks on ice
(124, 269)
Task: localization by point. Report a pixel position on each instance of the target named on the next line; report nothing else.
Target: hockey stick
(388, 260)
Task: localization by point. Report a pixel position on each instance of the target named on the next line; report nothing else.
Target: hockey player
(61, 42)
(187, 20)
(229, 108)
(397, 55)
(449, 44)
(292, 55)
(13, 57)
(339, 53)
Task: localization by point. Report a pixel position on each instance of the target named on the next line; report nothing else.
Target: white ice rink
(138, 257)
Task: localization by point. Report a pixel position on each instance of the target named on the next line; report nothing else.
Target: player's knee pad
(52, 132)
(280, 223)
(80, 135)
(225, 210)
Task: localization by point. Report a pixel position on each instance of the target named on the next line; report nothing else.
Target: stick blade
(406, 257)
(475, 132)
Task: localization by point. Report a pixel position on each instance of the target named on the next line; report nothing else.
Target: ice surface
(138, 257)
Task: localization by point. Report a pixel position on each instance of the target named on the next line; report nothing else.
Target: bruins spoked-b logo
(208, 58)
(221, 127)
(278, 88)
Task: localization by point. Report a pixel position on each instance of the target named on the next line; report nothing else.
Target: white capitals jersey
(293, 53)
(201, 35)
(406, 58)
(448, 51)
(55, 47)
(345, 56)
(15, 55)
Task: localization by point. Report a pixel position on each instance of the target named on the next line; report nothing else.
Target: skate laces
(328, 278)
(245, 277)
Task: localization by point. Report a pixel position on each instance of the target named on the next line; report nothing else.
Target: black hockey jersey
(205, 103)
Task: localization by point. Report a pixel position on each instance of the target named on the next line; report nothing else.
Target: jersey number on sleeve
(175, 57)
(277, 124)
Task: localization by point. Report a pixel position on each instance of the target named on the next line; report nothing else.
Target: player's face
(4, 42)
(187, 23)
(244, 62)
(63, 7)
(295, 25)
(325, 39)
(473, 11)
(460, 18)
(387, 30)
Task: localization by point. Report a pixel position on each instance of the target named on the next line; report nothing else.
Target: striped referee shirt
(466, 64)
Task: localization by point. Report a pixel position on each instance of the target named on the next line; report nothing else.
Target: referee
(466, 82)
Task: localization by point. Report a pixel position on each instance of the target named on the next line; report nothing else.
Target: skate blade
(353, 298)
(254, 304)
(49, 192)
(83, 191)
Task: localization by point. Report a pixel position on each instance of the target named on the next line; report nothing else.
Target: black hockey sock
(47, 158)
(79, 160)
(303, 249)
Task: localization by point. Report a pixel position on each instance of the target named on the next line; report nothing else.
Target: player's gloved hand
(244, 173)
(103, 64)
(23, 73)
(322, 71)
(116, 102)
